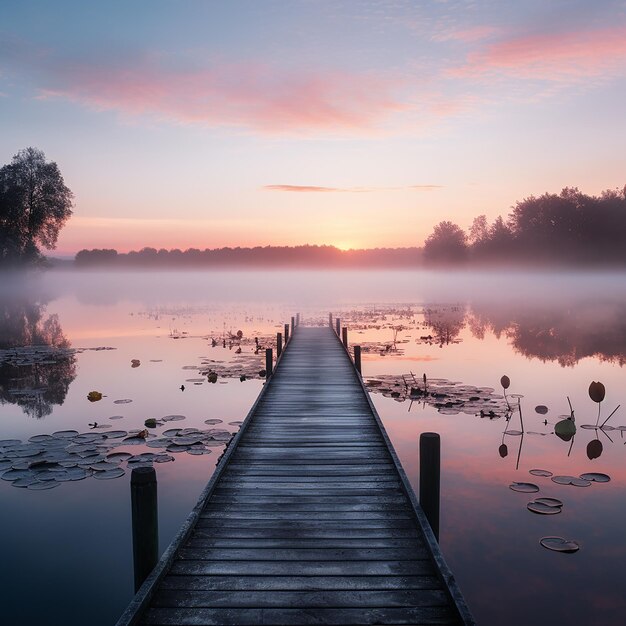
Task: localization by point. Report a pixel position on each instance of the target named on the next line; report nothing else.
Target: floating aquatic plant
(571, 480)
(524, 487)
(545, 506)
(596, 477)
(558, 544)
(540, 472)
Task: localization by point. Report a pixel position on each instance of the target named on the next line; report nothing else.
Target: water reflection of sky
(550, 335)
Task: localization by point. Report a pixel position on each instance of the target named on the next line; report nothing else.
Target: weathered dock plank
(309, 518)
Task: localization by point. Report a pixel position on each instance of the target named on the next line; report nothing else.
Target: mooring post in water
(143, 502)
(357, 358)
(344, 336)
(293, 324)
(269, 362)
(338, 326)
(430, 472)
(330, 320)
(286, 333)
(297, 319)
(279, 345)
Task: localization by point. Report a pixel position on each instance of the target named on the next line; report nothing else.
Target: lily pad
(571, 480)
(543, 509)
(40, 438)
(39, 486)
(540, 472)
(122, 401)
(213, 421)
(24, 482)
(173, 418)
(14, 474)
(549, 501)
(65, 434)
(115, 434)
(109, 474)
(596, 477)
(118, 456)
(524, 487)
(558, 544)
(542, 409)
(565, 429)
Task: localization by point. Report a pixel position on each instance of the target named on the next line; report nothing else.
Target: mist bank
(317, 288)
(552, 316)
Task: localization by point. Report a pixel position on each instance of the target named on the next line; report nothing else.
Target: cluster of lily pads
(34, 355)
(45, 461)
(554, 506)
(248, 360)
(448, 397)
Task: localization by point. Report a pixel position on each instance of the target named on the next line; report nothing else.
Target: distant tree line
(268, 256)
(570, 228)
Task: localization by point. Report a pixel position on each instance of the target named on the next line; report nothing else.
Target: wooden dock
(308, 519)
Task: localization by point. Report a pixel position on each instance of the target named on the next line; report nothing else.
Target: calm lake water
(67, 552)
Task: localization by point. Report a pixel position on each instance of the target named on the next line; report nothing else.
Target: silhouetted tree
(446, 244)
(34, 206)
(571, 226)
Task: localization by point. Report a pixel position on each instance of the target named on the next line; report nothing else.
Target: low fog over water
(319, 289)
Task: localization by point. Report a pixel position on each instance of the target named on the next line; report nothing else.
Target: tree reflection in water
(446, 323)
(39, 378)
(566, 332)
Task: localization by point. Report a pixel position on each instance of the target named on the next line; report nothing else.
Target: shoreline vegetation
(566, 230)
(570, 229)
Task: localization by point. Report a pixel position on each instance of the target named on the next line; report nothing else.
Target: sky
(270, 122)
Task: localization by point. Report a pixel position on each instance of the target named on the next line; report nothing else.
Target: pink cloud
(567, 56)
(245, 95)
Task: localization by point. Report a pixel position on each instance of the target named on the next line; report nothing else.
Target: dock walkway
(309, 518)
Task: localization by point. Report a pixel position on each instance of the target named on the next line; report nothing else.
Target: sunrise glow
(287, 123)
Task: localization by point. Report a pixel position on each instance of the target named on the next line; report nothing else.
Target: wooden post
(286, 334)
(297, 319)
(269, 362)
(344, 337)
(330, 320)
(357, 358)
(279, 345)
(338, 326)
(293, 324)
(430, 472)
(145, 521)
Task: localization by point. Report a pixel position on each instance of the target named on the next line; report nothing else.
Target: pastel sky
(358, 124)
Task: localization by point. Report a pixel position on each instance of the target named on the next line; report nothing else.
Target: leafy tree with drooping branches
(35, 204)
